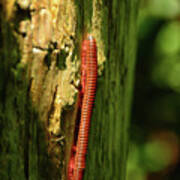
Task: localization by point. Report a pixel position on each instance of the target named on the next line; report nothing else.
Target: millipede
(88, 90)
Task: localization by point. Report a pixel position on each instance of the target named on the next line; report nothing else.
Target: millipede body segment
(88, 90)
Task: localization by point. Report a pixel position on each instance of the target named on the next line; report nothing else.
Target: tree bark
(39, 75)
(108, 146)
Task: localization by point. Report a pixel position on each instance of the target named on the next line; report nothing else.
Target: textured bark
(108, 145)
(39, 72)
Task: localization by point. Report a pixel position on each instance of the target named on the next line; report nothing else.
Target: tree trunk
(39, 75)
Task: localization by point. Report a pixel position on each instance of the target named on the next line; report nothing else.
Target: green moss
(84, 15)
(88, 6)
(12, 108)
(61, 60)
(47, 59)
(108, 143)
(20, 129)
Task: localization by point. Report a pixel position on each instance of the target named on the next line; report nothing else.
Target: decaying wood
(45, 38)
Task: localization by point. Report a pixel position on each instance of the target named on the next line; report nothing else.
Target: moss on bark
(39, 66)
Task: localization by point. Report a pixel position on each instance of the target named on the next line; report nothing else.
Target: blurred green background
(155, 131)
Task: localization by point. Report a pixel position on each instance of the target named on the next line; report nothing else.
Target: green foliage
(166, 71)
(156, 156)
(168, 39)
(157, 98)
(161, 8)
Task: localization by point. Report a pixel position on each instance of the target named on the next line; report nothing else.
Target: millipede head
(90, 37)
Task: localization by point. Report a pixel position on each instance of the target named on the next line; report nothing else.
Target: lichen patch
(96, 31)
(47, 38)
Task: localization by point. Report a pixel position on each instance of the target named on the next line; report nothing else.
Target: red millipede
(88, 83)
